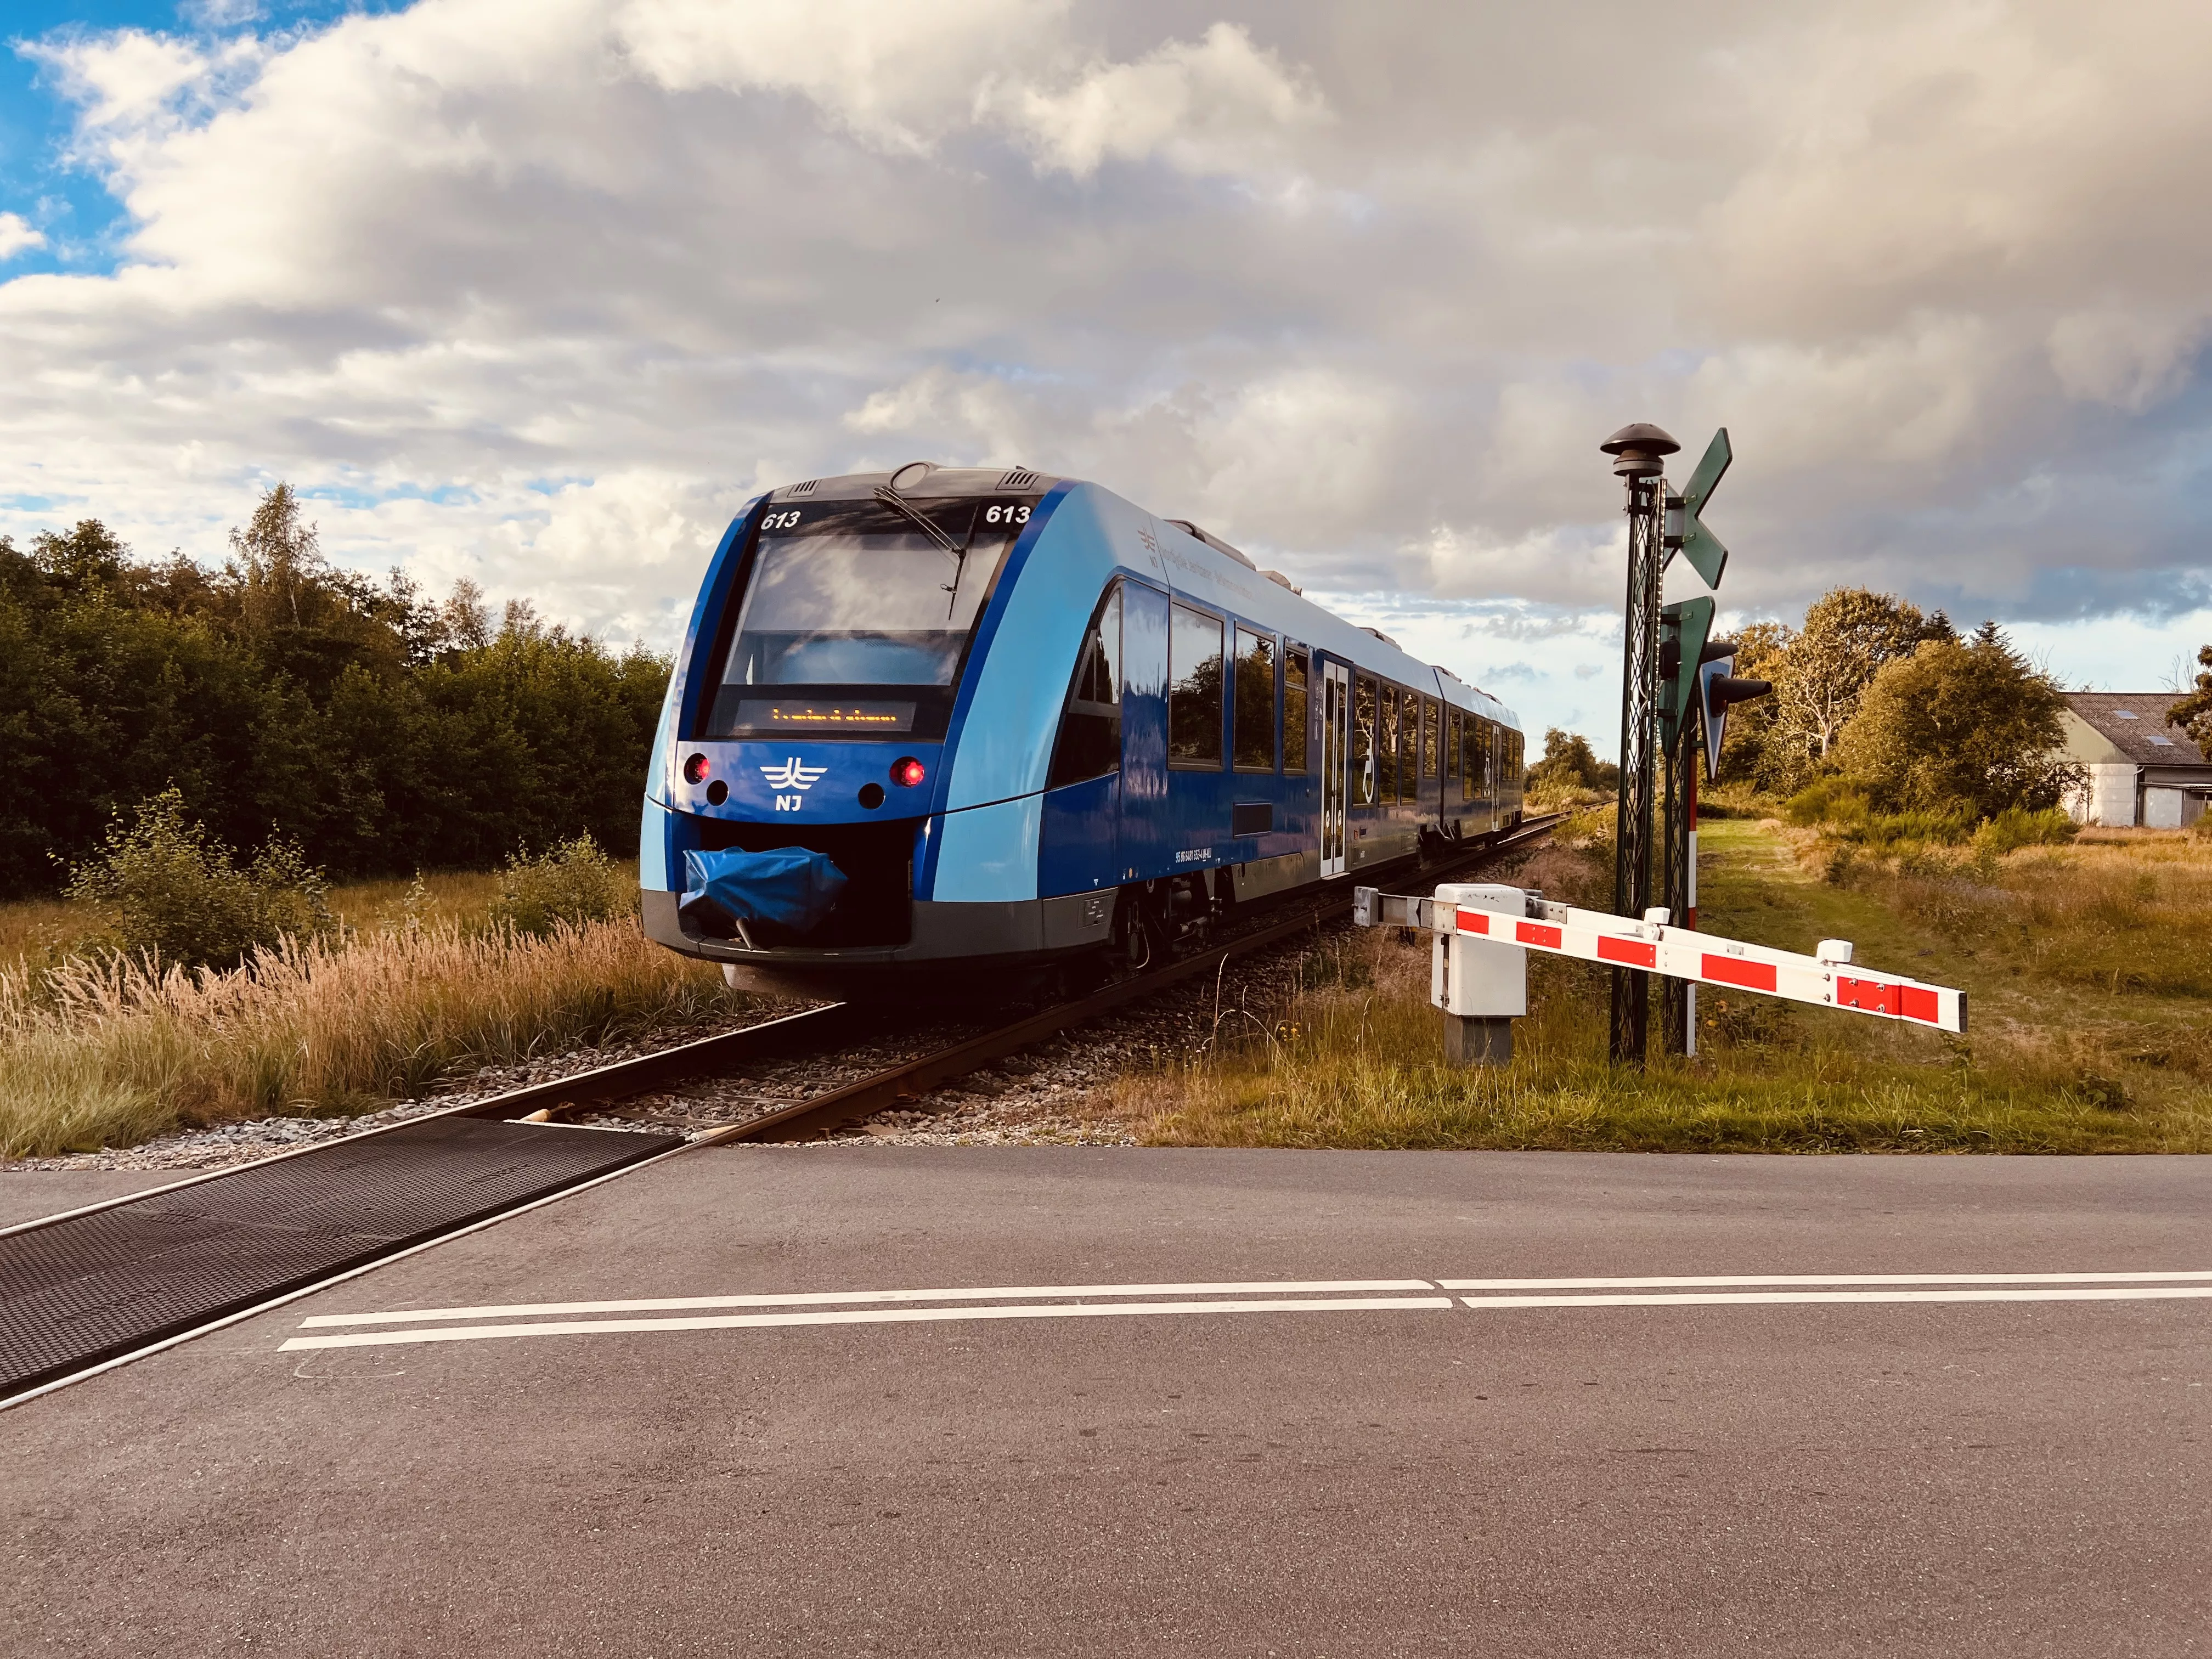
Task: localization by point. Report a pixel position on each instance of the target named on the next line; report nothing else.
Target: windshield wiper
(936, 533)
(921, 521)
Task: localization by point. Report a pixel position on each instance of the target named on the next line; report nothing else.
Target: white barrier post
(1482, 986)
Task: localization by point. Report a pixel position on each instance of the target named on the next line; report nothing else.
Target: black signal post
(1640, 453)
(1673, 697)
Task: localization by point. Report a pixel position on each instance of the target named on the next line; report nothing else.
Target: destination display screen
(842, 716)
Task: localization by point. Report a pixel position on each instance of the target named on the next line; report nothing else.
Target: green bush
(1846, 811)
(1829, 800)
(168, 889)
(574, 882)
(2017, 827)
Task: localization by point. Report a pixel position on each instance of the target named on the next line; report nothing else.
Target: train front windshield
(855, 620)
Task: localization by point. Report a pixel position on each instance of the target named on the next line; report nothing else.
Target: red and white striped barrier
(1826, 979)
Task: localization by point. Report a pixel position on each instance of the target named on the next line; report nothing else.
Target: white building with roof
(2141, 769)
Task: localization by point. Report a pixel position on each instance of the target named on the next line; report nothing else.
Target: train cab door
(1335, 759)
(1147, 835)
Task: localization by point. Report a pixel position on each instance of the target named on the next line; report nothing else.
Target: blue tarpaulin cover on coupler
(791, 887)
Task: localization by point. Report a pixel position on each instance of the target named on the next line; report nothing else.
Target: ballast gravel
(1057, 1093)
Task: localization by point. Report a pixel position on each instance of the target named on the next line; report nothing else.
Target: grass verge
(2086, 967)
(105, 1052)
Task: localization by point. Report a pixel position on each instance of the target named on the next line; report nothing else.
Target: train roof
(927, 479)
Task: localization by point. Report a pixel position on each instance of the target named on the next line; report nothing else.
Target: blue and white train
(942, 720)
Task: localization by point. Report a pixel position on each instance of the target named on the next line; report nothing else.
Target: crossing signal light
(1718, 690)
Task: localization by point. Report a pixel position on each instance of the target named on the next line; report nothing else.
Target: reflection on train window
(1430, 715)
(1195, 670)
(1453, 723)
(1409, 748)
(1089, 743)
(1470, 759)
(849, 599)
(857, 607)
(1294, 708)
(1386, 747)
(1364, 792)
(1256, 701)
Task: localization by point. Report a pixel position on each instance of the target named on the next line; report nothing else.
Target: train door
(1147, 839)
(1335, 752)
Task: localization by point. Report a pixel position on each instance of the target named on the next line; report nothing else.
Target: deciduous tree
(1825, 669)
(1969, 720)
(2193, 714)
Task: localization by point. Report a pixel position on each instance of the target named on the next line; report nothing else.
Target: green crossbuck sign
(1686, 533)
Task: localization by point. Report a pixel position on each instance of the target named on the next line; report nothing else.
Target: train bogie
(1015, 721)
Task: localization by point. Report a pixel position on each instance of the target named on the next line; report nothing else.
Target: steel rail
(870, 1094)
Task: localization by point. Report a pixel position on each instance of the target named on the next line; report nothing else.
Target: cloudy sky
(538, 291)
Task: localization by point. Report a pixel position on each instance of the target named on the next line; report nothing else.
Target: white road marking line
(808, 1298)
(852, 1316)
(1716, 1298)
(1813, 1278)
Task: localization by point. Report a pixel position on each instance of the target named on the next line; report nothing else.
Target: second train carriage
(1014, 720)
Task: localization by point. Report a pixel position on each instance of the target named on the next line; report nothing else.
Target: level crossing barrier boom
(1484, 930)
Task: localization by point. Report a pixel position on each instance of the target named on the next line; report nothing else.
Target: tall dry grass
(2087, 966)
(1355, 1060)
(108, 1051)
(2121, 911)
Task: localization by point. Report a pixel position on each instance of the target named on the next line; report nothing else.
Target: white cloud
(536, 290)
(889, 71)
(1216, 104)
(2129, 359)
(17, 235)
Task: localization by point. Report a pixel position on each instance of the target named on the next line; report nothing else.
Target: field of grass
(43, 931)
(2088, 968)
(99, 1051)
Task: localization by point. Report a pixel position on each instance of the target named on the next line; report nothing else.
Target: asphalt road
(2008, 1476)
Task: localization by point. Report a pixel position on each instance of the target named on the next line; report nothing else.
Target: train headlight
(907, 772)
(695, 769)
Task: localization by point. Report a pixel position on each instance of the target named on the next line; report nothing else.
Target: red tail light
(908, 772)
(695, 768)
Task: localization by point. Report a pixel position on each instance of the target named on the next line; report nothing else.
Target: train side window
(1431, 715)
(1409, 749)
(1453, 721)
(1256, 701)
(1386, 747)
(1295, 669)
(1409, 745)
(1090, 743)
(1364, 792)
(1470, 756)
(1195, 673)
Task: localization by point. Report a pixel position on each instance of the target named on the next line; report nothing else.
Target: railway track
(91, 1289)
